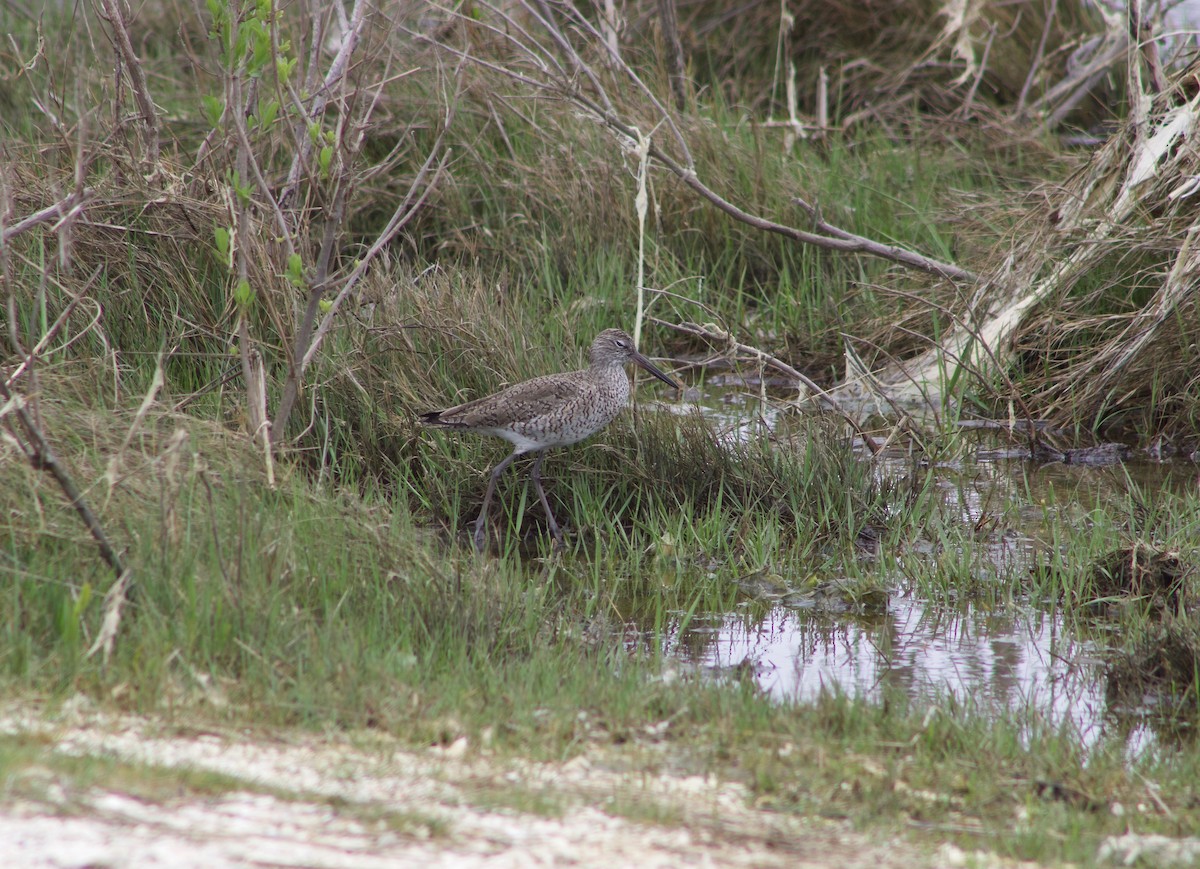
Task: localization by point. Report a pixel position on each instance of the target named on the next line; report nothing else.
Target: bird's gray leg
(536, 474)
(480, 537)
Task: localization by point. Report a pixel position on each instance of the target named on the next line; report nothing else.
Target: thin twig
(1038, 56)
(43, 459)
(774, 362)
(65, 208)
(675, 60)
(58, 323)
(114, 11)
(601, 108)
(337, 70)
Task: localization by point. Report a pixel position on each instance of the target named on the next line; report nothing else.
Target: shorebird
(554, 410)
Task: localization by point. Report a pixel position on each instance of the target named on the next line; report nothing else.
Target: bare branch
(675, 61)
(42, 457)
(64, 209)
(602, 108)
(709, 333)
(1038, 56)
(337, 70)
(115, 12)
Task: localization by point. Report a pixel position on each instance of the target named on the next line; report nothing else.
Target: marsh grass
(319, 608)
(346, 596)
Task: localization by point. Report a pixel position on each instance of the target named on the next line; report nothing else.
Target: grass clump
(301, 605)
(1159, 672)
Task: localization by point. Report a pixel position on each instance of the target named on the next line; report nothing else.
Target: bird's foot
(559, 546)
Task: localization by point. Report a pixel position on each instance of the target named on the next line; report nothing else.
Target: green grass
(300, 608)
(348, 595)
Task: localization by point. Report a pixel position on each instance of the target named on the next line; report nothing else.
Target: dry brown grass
(888, 62)
(1114, 344)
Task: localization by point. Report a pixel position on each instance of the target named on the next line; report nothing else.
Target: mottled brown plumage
(550, 411)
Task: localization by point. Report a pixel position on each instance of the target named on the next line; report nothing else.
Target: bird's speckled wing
(522, 402)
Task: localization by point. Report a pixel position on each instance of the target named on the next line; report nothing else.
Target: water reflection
(1023, 663)
(1016, 660)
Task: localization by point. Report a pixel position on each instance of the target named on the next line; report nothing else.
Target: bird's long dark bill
(653, 369)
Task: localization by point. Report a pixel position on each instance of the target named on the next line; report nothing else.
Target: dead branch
(586, 91)
(1039, 54)
(675, 62)
(42, 457)
(1096, 58)
(834, 238)
(64, 209)
(710, 332)
(116, 13)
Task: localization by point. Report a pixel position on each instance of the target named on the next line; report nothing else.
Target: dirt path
(305, 800)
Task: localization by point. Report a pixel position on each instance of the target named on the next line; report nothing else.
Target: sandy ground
(338, 801)
(333, 802)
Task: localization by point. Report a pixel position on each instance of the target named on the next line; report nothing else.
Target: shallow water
(1016, 658)
(1023, 662)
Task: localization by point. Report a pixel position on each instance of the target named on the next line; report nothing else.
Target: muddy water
(1017, 657)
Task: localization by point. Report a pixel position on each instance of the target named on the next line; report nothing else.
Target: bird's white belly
(554, 430)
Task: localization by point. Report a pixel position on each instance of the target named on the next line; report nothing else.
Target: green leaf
(266, 114)
(284, 67)
(243, 295)
(295, 270)
(222, 237)
(262, 51)
(242, 190)
(213, 109)
(85, 597)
